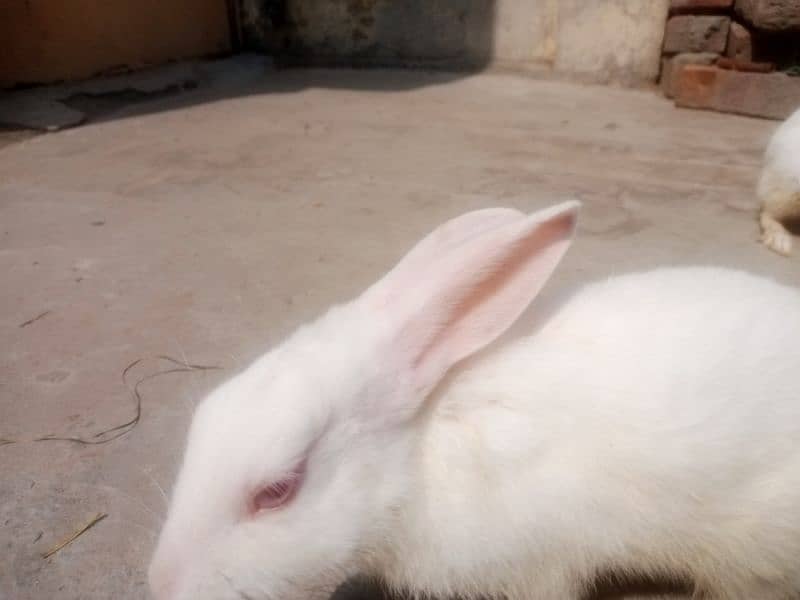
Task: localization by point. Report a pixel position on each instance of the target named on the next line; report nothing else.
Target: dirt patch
(98, 105)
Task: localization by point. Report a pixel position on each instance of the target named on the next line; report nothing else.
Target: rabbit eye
(277, 494)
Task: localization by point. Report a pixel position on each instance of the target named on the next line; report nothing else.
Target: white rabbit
(648, 424)
(779, 186)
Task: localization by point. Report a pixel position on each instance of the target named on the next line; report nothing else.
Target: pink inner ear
(481, 305)
(277, 494)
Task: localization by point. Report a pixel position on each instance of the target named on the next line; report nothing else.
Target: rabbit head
(294, 468)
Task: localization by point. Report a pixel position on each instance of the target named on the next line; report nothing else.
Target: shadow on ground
(182, 85)
(607, 589)
(455, 37)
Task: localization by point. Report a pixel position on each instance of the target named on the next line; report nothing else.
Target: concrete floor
(206, 226)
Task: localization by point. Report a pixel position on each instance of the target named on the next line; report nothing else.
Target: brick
(742, 65)
(670, 65)
(770, 15)
(770, 95)
(695, 85)
(740, 43)
(694, 6)
(691, 33)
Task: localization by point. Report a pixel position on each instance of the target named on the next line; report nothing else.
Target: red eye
(276, 494)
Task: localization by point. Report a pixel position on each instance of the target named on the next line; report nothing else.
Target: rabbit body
(648, 424)
(651, 424)
(779, 186)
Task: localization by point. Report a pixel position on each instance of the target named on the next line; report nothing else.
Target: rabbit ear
(437, 244)
(466, 283)
(444, 238)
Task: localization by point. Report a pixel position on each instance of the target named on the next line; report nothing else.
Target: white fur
(647, 424)
(779, 185)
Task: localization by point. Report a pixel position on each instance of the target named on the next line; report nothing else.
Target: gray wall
(597, 40)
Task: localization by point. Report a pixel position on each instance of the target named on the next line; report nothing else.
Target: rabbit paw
(775, 236)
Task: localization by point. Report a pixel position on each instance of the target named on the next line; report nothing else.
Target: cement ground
(206, 226)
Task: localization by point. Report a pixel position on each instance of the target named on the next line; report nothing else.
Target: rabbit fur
(645, 424)
(779, 186)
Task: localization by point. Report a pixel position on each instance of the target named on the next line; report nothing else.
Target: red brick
(695, 85)
(770, 15)
(688, 6)
(691, 33)
(770, 95)
(743, 65)
(740, 43)
(670, 66)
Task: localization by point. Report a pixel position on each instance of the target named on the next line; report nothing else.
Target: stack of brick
(711, 61)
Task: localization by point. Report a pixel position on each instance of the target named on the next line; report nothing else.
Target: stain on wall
(597, 40)
(377, 32)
